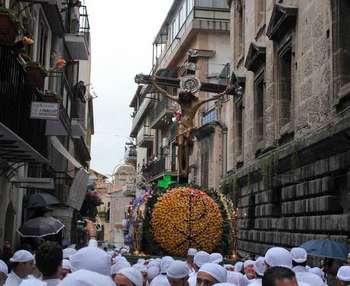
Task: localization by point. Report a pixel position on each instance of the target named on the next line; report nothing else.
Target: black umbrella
(41, 227)
(326, 248)
(41, 200)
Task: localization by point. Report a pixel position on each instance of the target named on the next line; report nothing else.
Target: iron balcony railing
(163, 111)
(154, 168)
(15, 102)
(209, 117)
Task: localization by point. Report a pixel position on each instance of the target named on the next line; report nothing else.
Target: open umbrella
(41, 200)
(40, 227)
(326, 248)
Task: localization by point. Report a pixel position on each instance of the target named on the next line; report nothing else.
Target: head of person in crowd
(331, 267)
(49, 260)
(178, 273)
(210, 274)
(299, 257)
(165, 264)
(216, 258)
(343, 276)
(249, 269)
(92, 259)
(86, 278)
(129, 277)
(66, 268)
(279, 276)
(239, 267)
(278, 256)
(143, 269)
(4, 271)
(118, 266)
(236, 278)
(229, 267)
(190, 255)
(22, 263)
(153, 270)
(200, 258)
(260, 267)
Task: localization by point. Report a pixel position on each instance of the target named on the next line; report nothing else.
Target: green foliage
(268, 167)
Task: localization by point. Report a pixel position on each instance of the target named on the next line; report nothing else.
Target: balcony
(155, 169)
(209, 116)
(78, 38)
(15, 103)
(162, 114)
(141, 112)
(145, 137)
(78, 129)
(205, 15)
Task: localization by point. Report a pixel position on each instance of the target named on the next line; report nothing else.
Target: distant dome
(124, 169)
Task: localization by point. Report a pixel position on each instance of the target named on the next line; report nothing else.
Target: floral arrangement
(186, 217)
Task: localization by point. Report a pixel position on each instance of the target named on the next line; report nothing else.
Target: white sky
(122, 33)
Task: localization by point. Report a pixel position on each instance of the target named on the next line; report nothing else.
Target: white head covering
(299, 255)
(191, 252)
(248, 263)
(92, 243)
(224, 284)
(260, 266)
(239, 266)
(140, 267)
(119, 258)
(32, 282)
(228, 266)
(66, 264)
(92, 259)
(178, 270)
(165, 263)
(141, 261)
(22, 256)
(318, 271)
(216, 258)
(201, 257)
(3, 267)
(344, 274)
(154, 262)
(218, 272)
(68, 252)
(278, 256)
(118, 266)
(133, 275)
(86, 278)
(236, 278)
(152, 272)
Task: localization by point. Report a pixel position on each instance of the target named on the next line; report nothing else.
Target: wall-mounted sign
(45, 110)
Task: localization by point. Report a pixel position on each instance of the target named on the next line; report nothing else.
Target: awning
(78, 189)
(64, 152)
(14, 149)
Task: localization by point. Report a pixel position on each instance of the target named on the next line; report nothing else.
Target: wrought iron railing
(209, 117)
(154, 168)
(15, 102)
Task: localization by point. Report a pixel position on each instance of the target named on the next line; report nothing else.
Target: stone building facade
(289, 146)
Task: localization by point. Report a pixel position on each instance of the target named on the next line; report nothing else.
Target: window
(260, 10)
(285, 85)
(189, 6)
(238, 31)
(182, 16)
(341, 43)
(42, 42)
(239, 128)
(259, 107)
(205, 162)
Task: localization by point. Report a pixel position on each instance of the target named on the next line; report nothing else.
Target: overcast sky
(122, 33)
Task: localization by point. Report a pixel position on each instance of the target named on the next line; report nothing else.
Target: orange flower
(186, 217)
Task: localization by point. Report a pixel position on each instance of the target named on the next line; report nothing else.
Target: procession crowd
(91, 266)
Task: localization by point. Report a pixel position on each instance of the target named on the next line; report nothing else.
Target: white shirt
(257, 282)
(13, 279)
(52, 282)
(248, 281)
(192, 281)
(307, 277)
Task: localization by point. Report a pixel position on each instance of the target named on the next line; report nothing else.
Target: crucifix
(189, 103)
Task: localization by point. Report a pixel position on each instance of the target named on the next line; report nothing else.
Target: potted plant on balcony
(35, 74)
(9, 26)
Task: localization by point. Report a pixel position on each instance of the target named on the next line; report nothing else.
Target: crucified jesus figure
(190, 105)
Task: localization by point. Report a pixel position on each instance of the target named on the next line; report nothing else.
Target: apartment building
(203, 26)
(289, 144)
(46, 110)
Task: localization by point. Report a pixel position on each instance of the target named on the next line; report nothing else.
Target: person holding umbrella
(22, 264)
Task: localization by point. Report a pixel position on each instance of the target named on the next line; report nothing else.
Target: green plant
(12, 16)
